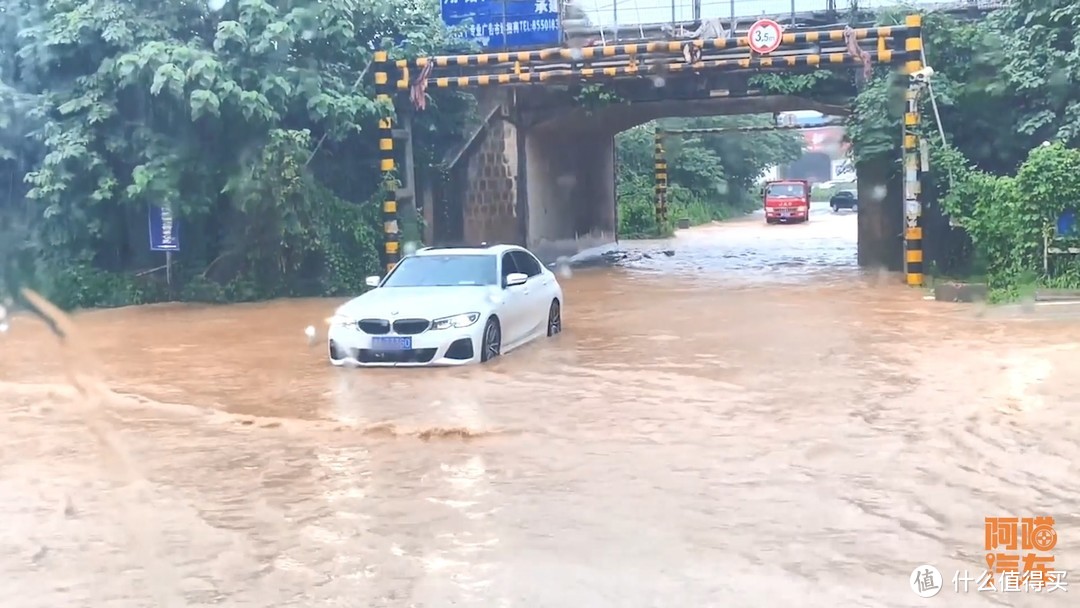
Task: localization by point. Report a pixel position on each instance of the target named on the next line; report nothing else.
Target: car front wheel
(491, 343)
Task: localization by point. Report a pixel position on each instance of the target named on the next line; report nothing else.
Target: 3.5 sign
(764, 36)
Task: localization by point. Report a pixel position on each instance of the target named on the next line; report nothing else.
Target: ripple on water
(701, 434)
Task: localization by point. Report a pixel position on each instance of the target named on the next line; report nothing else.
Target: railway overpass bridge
(540, 169)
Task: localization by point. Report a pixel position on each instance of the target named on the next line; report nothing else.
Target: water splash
(562, 268)
(94, 398)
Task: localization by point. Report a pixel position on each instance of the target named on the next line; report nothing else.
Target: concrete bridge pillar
(570, 185)
(490, 206)
(549, 187)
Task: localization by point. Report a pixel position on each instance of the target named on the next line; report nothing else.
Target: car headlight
(341, 321)
(456, 321)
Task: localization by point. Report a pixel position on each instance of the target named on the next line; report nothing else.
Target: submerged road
(750, 422)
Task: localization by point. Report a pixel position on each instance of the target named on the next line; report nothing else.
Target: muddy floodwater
(749, 422)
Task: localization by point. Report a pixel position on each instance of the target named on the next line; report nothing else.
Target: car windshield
(785, 191)
(444, 271)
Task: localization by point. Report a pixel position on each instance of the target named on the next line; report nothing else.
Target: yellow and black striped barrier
(913, 207)
(661, 183)
(642, 48)
(648, 58)
(391, 236)
(635, 70)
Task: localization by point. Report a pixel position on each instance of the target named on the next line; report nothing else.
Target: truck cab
(787, 200)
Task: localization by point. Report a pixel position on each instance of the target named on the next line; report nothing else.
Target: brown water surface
(749, 422)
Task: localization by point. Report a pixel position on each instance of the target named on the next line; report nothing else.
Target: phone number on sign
(512, 27)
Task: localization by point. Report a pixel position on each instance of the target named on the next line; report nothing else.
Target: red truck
(787, 200)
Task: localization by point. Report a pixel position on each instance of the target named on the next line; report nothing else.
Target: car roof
(468, 250)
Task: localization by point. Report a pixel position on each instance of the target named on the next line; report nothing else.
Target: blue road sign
(1066, 223)
(164, 230)
(505, 24)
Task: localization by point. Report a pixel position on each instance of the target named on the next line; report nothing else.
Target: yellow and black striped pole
(660, 164)
(913, 229)
(391, 242)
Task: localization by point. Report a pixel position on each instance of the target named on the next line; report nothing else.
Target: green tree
(1003, 87)
(711, 175)
(254, 122)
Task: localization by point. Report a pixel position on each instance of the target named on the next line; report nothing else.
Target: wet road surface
(749, 422)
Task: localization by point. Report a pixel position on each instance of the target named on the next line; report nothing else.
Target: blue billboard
(164, 230)
(505, 24)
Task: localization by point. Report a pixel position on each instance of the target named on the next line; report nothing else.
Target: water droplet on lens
(409, 247)
(215, 5)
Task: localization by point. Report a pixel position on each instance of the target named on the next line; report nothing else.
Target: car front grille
(409, 327)
(364, 355)
(375, 327)
(414, 355)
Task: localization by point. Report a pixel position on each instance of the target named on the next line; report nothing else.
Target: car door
(513, 311)
(536, 296)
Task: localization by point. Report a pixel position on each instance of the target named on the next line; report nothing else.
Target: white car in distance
(448, 306)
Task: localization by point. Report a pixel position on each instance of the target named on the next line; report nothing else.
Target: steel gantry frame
(798, 52)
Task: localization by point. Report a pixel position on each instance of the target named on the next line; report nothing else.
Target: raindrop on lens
(409, 247)
(215, 5)
(878, 193)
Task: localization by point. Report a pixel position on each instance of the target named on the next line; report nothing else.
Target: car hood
(420, 302)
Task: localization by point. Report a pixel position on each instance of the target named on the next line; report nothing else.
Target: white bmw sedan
(448, 306)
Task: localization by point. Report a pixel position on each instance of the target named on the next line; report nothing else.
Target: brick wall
(490, 205)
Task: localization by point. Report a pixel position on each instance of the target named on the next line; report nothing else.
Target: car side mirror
(372, 281)
(516, 278)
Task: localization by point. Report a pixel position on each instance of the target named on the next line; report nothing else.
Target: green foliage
(710, 175)
(254, 123)
(1009, 216)
(596, 96)
(1003, 86)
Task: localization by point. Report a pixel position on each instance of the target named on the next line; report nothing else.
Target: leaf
(168, 77)
(204, 102)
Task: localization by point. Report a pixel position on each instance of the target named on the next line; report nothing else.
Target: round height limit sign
(764, 36)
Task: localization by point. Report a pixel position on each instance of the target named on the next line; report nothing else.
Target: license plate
(391, 343)
(785, 214)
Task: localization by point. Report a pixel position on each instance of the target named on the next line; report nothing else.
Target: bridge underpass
(541, 170)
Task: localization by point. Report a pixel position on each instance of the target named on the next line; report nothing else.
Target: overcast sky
(632, 12)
